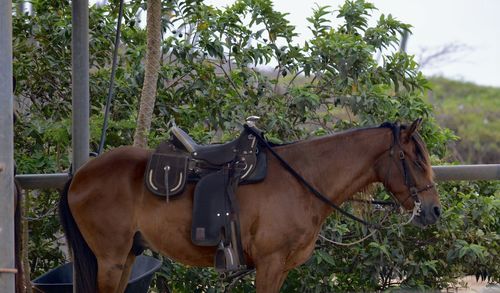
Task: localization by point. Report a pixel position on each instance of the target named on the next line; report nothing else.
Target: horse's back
(121, 159)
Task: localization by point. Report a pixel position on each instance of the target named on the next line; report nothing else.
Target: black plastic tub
(60, 279)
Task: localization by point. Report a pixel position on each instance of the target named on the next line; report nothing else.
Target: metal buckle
(241, 165)
(414, 192)
(416, 208)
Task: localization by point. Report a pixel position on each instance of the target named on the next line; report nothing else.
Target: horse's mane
(420, 148)
(389, 125)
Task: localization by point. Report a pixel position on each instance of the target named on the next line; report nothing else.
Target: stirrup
(225, 259)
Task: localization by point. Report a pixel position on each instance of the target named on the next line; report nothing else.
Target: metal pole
(467, 172)
(42, 181)
(443, 173)
(7, 259)
(80, 82)
(404, 41)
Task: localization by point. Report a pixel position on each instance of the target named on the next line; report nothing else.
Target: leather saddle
(217, 170)
(181, 159)
(216, 154)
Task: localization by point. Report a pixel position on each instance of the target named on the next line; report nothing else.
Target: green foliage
(465, 241)
(209, 83)
(472, 112)
(212, 76)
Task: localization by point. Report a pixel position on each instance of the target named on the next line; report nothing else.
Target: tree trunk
(152, 65)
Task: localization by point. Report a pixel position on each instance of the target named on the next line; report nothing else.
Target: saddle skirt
(167, 170)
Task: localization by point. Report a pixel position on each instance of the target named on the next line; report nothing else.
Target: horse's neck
(340, 165)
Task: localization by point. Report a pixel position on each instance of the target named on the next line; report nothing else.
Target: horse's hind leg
(113, 252)
(126, 272)
(113, 273)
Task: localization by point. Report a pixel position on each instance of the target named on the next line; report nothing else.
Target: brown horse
(106, 208)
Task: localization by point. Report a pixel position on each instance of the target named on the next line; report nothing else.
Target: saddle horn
(251, 120)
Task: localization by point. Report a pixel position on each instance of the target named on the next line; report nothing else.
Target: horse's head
(405, 169)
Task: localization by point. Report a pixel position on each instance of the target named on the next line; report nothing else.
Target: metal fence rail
(467, 172)
(443, 173)
(42, 181)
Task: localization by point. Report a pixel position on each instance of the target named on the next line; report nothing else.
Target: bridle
(409, 180)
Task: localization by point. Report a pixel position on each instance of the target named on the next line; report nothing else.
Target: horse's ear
(413, 128)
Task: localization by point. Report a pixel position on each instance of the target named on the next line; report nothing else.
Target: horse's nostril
(437, 211)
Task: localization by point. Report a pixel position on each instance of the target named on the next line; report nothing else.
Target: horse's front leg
(270, 274)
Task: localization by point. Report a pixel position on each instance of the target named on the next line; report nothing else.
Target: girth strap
(234, 179)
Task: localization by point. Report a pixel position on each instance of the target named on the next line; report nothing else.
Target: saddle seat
(216, 154)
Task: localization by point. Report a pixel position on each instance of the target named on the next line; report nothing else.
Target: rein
(375, 202)
(409, 180)
(311, 188)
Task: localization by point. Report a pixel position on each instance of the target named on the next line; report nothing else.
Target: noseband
(409, 180)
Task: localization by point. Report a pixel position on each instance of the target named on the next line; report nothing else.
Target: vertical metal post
(7, 259)
(404, 41)
(80, 82)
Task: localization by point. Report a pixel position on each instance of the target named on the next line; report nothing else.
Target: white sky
(436, 23)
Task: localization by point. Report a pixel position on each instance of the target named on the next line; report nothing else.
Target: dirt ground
(473, 286)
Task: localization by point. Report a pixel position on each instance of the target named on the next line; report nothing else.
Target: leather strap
(234, 179)
(313, 190)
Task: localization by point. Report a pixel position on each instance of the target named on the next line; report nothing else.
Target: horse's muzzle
(429, 215)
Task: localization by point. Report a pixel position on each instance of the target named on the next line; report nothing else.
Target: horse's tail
(18, 238)
(84, 260)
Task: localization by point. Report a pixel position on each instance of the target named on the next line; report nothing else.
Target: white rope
(416, 212)
(350, 243)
